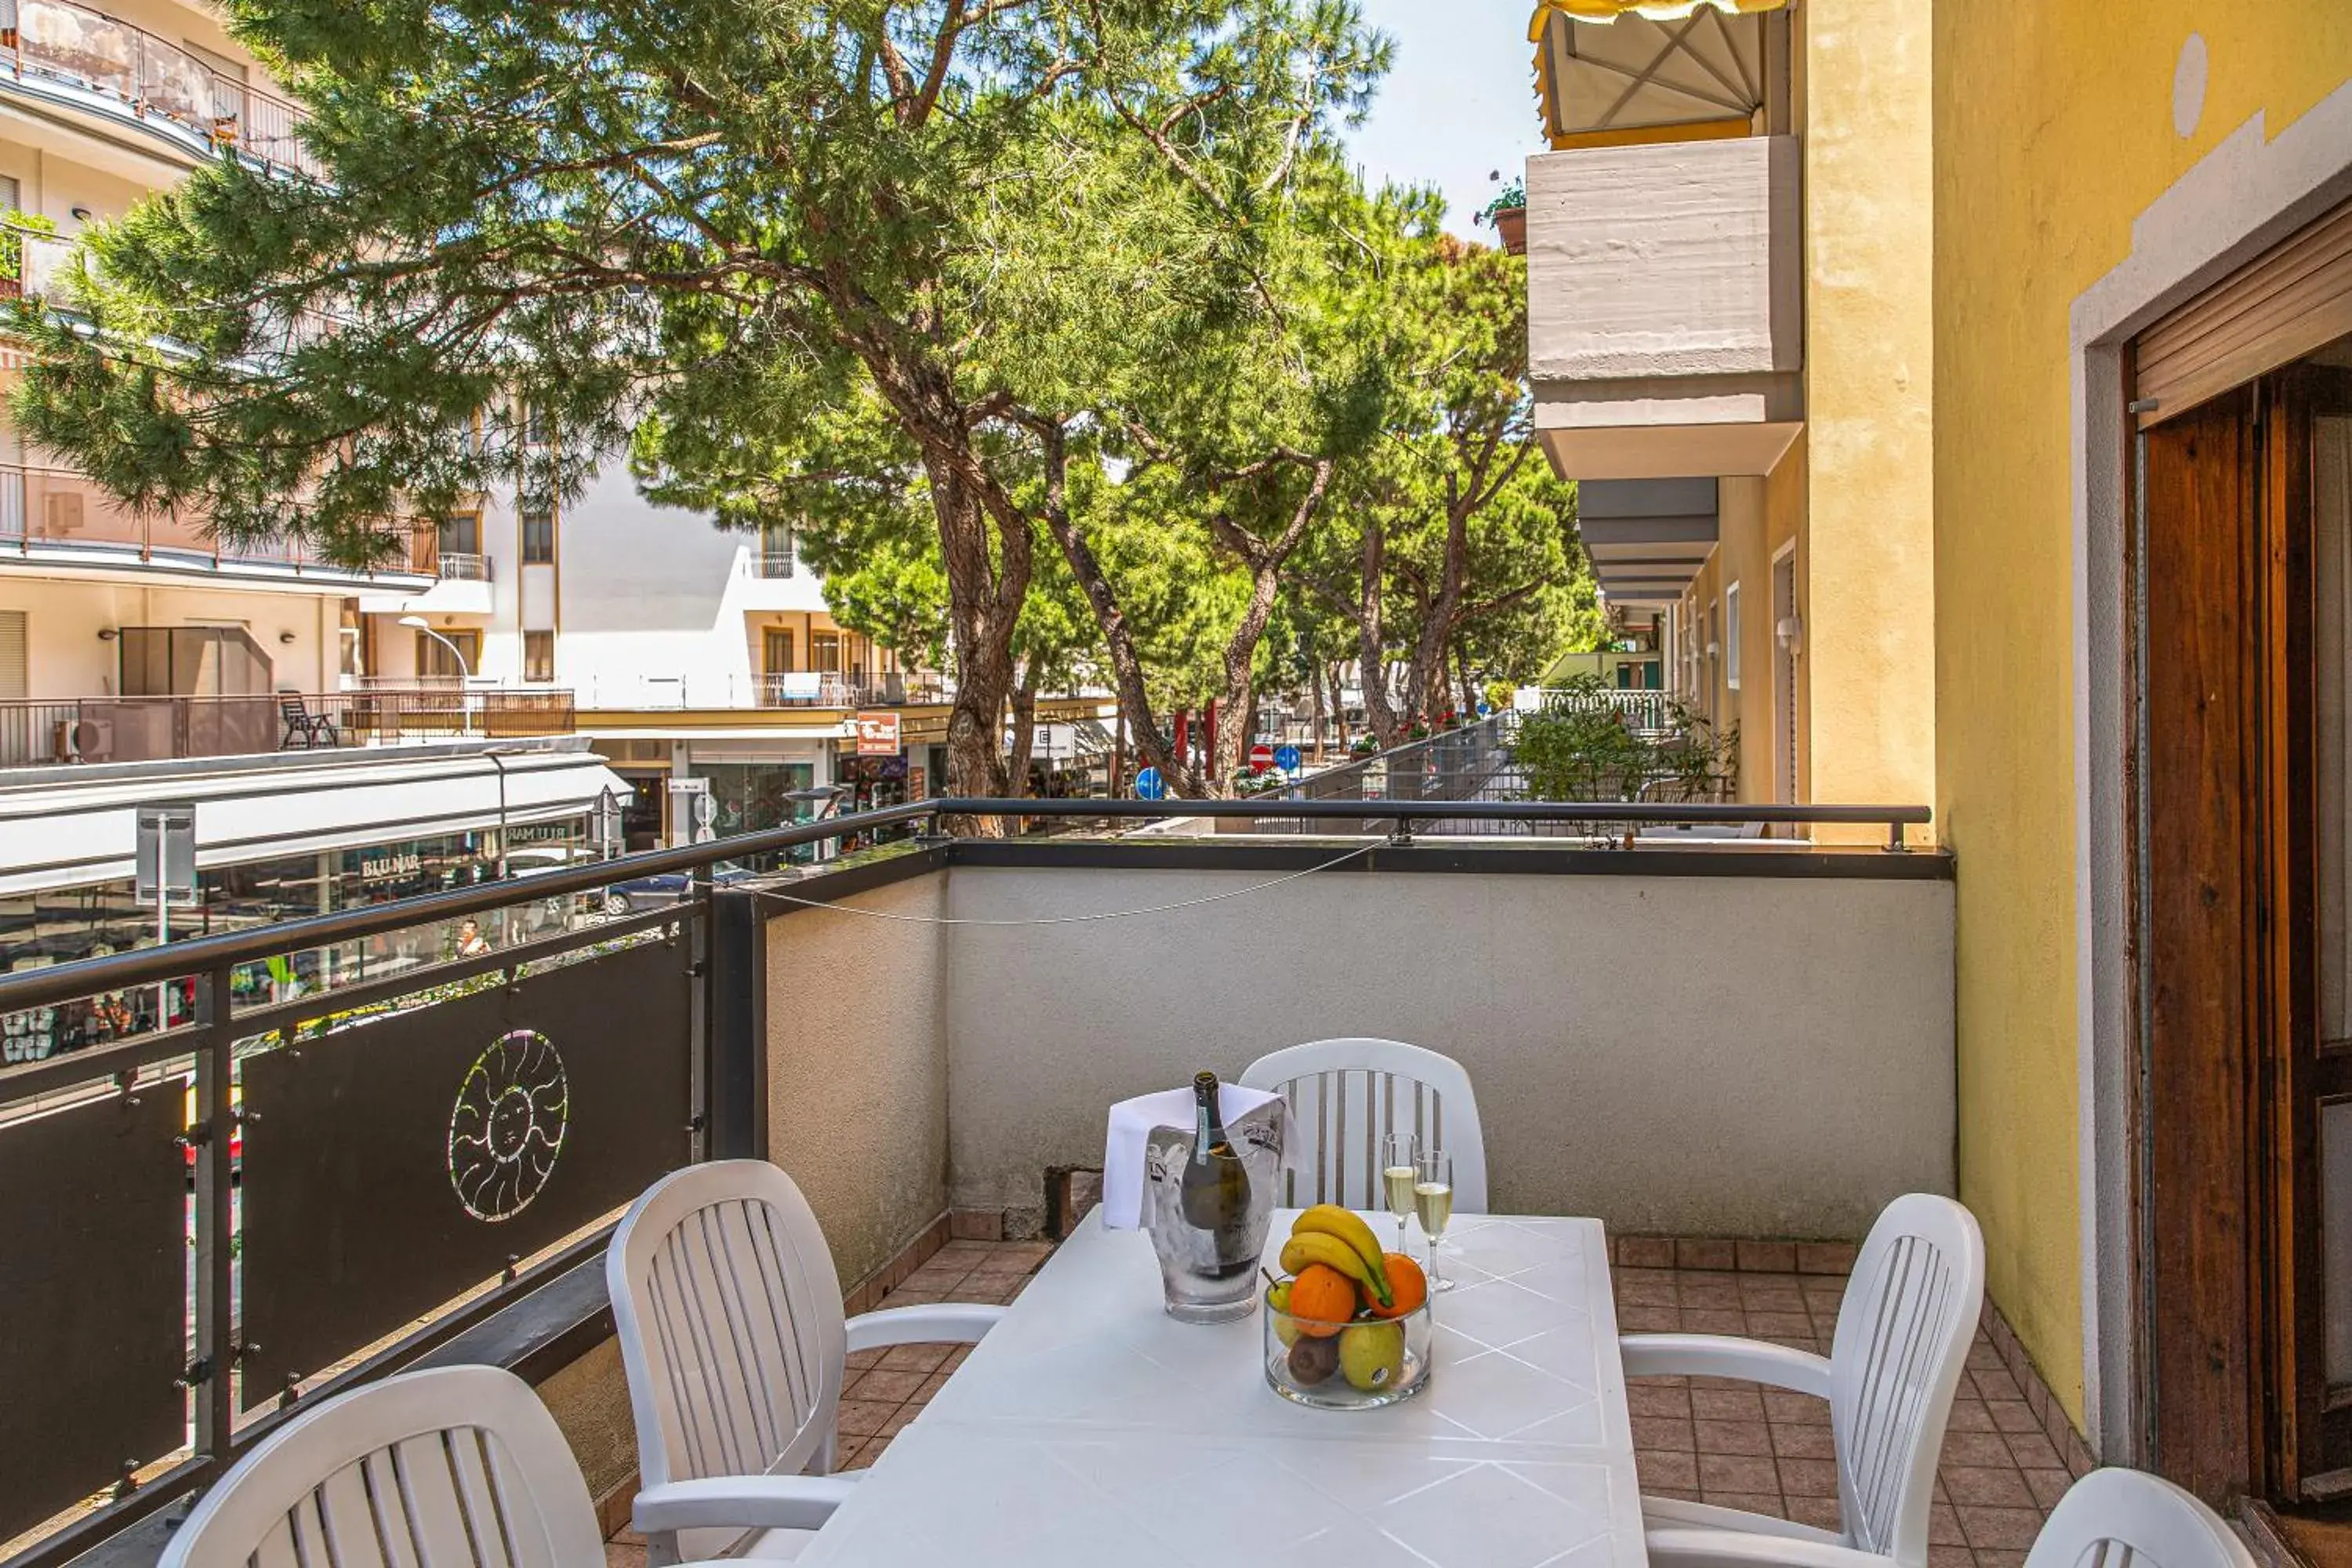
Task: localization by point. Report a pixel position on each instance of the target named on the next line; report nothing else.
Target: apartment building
(1728, 338)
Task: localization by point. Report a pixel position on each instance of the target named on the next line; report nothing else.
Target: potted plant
(1508, 212)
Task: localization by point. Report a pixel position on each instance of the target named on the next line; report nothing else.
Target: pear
(1277, 1295)
(1371, 1356)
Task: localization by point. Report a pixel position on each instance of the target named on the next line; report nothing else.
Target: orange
(1408, 1287)
(1322, 1301)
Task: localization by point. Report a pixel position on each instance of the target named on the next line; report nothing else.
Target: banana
(1348, 1226)
(1302, 1252)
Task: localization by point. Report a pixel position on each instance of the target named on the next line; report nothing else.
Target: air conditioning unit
(85, 740)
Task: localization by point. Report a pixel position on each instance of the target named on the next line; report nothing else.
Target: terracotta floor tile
(1645, 1252)
(2000, 1560)
(885, 1386)
(1680, 1494)
(1969, 1414)
(1639, 1319)
(1664, 1431)
(1986, 1487)
(931, 1385)
(2011, 1414)
(1950, 1557)
(898, 1420)
(864, 1419)
(2048, 1487)
(617, 1556)
(1652, 1291)
(924, 1359)
(864, 1360)
(2000, 1528)
(2032, 1451)
(1649, 1400)
(1728, 1405)
(1767, 1256)
(1738, 1473)
(1701, 1321)
(956, 1358)
(1996, 1384)
(1722, 1298)
(1944, 1526)
(1808, 1478)
(1770, 1293)
(1731, 1436)
(1975, 1448)
(1821, 1512)
(1804, 1442)
(1796, 1410)
(869, 1453)
(1779, 1325)
(1659, 1470)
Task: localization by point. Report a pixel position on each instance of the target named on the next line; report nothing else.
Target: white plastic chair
(1903, 1331)
(460, 1467)
(2128, 1519)
(1347, 1096)
(728, 1313)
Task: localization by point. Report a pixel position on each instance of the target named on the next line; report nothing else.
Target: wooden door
(2201, 919)
(2245, 902)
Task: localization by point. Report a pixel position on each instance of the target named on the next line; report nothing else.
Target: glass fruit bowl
(1357, 1365)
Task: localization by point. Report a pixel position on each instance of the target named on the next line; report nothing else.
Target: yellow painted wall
(1752, 528)
(1869, 565)
(2054, 129)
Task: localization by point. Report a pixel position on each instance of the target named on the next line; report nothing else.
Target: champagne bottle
(1215, 1192)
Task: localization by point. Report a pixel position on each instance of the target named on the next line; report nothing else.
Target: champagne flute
(1399, 1171)
(1433, 1200)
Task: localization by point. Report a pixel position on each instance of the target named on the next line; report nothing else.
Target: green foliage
(1581, 749)
(1511, 196)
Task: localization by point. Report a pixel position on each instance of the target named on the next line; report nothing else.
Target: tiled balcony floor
(1700, 1439)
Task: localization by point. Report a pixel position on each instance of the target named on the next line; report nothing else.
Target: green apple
(1277, 1295)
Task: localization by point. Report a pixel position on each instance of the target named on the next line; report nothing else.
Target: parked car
(667, 888)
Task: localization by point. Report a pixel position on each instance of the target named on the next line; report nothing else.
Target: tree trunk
(1025, 736)
(1118, 756)
(1318, 710)
(1265, 560)
(985, 590)
(1379, 711)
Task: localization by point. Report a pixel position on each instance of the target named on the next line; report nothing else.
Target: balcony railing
(773, 563)
(263, 1201)
(58, 512)
(462, 566)
(169, 728)
(152, 80)
(1650, 712)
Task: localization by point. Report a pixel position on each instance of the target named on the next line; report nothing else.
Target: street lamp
(464, 672)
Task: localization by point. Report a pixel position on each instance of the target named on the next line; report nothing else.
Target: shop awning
(82, 825)
(1626, 68)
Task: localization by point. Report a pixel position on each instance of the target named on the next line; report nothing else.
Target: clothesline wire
(1070, 920)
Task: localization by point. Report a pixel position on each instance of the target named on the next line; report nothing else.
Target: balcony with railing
(58, 518)
(90, 729)
(85, 58)
(264, 1203)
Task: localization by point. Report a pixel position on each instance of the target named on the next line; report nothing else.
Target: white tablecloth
(1090, 1430)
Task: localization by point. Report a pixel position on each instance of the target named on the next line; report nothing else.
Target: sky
(1459, 103)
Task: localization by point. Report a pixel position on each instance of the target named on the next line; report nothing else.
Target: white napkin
(1131, 1122)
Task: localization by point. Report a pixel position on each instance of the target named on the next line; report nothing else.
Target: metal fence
(168, 728)
(266, 1193)
(154, 78)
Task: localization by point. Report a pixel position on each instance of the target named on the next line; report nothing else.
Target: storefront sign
(877, 732)
(390, 865)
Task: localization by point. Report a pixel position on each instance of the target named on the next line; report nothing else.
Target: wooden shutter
(2268, 313)
(13, 659)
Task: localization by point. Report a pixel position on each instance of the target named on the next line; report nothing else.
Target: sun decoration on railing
(507, 1126)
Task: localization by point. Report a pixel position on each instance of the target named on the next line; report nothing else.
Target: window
(538, 655)
(776, 650)
(825, 652)
(1731, 637)
(449, 656)
(539, 537)
(461, 534)
(534, 425)
(776, 549)
(15, 682)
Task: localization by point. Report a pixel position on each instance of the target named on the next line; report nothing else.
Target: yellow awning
(1652, 10)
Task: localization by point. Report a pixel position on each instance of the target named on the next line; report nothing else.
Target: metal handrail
(60, 983)
(242, 130)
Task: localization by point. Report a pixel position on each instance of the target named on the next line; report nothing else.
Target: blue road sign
(1148, 785)
(1287, 758)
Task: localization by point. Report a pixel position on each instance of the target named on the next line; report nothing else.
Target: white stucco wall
(1694, 1055)
(66, 658)
(857, 1069)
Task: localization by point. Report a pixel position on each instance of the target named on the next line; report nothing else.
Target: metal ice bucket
(1211, 1277)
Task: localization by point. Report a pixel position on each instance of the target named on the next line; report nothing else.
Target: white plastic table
(1091, 1430)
